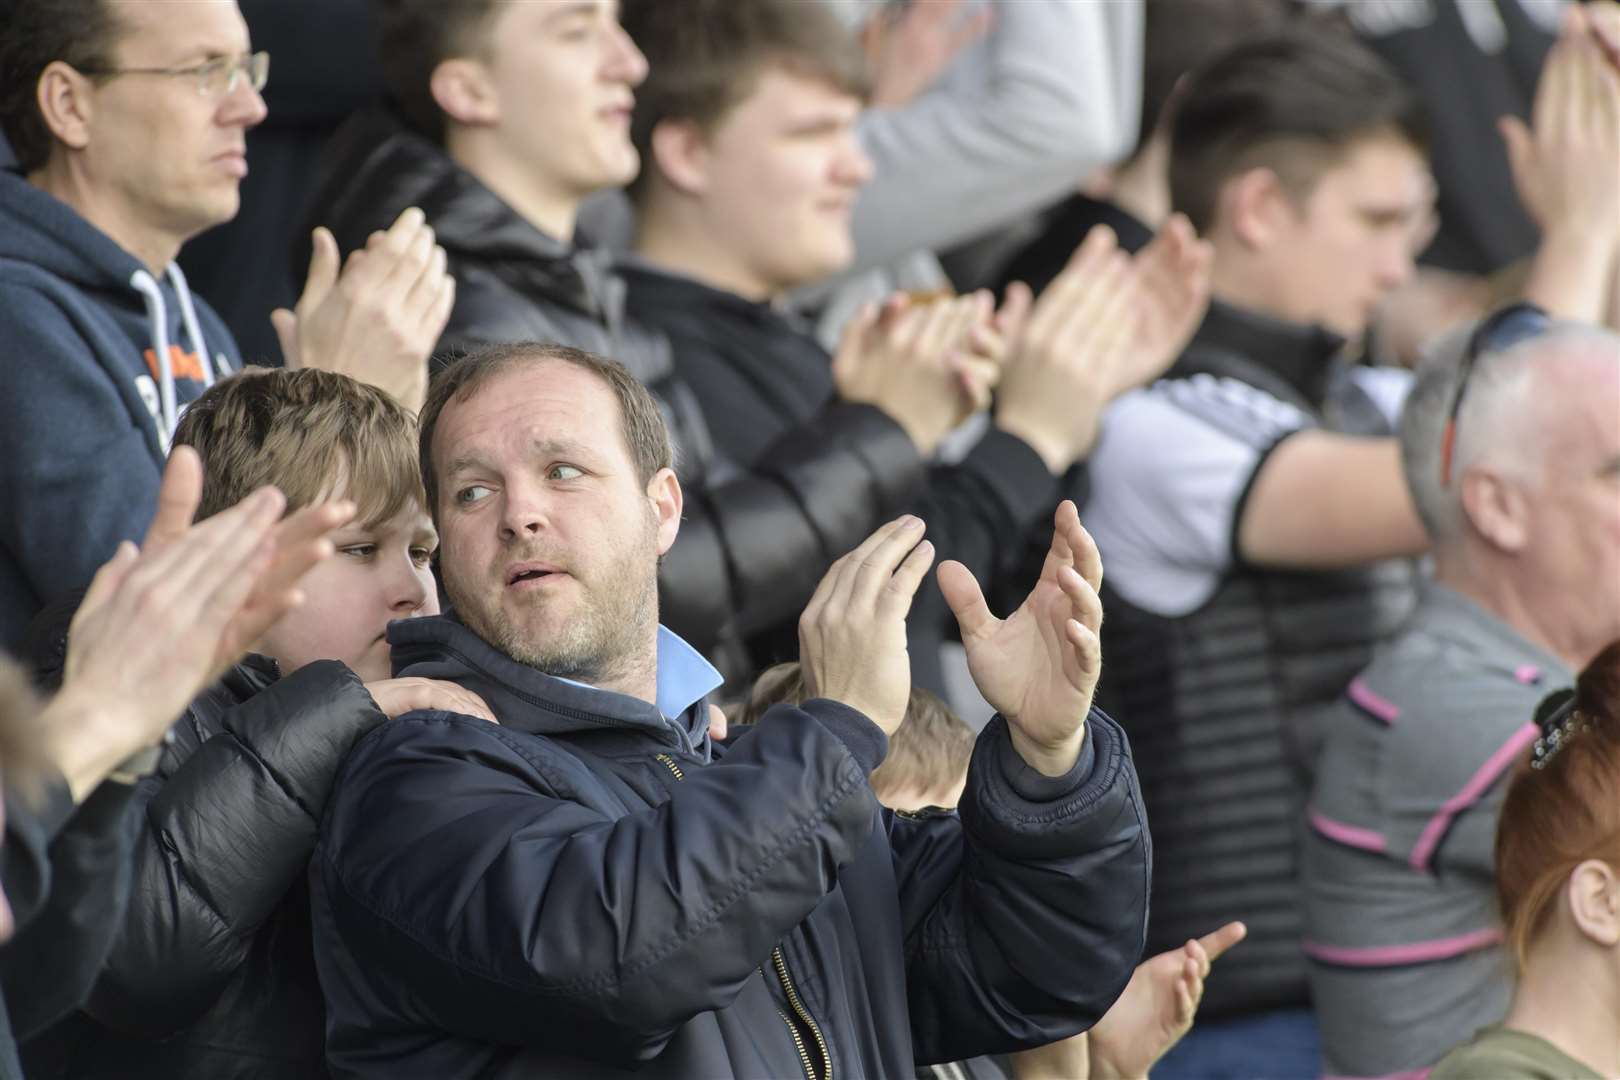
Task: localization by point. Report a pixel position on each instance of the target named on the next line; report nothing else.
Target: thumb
(178, 496)
(323, 268)
(966, 599)
(1216, 943)
(717, 723)
(286, 326)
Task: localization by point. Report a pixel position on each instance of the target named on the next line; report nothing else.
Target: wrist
(1053, 452)
(86, 739)
(1048, 758)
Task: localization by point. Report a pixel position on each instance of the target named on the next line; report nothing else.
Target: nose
(1395, 263)
(524, 512)
(853, 167)
(626, 63)
(408, 585)
(243, 106)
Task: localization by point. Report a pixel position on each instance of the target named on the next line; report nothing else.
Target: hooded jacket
(755, 535)
(100, 355)
(211, 973)
(592, 890)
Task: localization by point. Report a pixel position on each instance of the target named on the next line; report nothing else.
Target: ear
(664, 492)
(680, 153)
(462, 88)
(1255, 208)
(1497, 508)
(66, 102)
(1593, 895)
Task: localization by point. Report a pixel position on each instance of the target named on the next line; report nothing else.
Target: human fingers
(424, 289)
(978, 379)
(939, 333)
(413, 262)
(211, 550)
(1084, 604)
(178, 496)
(896, 595)
(717, 723)
(873, 572)
(301, 543)
(1082, 661)
(1014, 311)
(1217, 942)
(835, 585)
(965, 599)
(324, 262)
(285, 324)
(102, 588)
(437, 315)
(1083, 553)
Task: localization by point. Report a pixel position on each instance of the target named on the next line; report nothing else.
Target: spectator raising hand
(158, 625)
(1039, 666)
(1564, 168)
(378, 320)
(909, 48)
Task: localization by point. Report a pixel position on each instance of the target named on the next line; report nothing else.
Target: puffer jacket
(212, 973)
(592, 890)
(752, 532)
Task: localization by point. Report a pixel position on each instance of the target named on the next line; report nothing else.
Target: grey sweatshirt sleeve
(1052, 92)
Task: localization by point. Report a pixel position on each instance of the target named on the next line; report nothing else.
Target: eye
(421, 556)
(360, 551)
(564, 472)
(471, 494)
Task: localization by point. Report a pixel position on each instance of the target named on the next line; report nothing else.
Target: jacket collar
(376, 167)
(522, 697)
(1301, 356)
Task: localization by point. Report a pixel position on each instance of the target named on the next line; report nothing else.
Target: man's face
(783, 170)
(380, 573)
(1573, 512)
(161, 153)
(564, 76)
(1336, 256)
(551, 540)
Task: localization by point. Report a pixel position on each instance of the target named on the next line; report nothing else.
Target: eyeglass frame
(255, 66)
(1493, 334)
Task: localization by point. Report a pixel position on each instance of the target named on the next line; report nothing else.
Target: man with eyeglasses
(127, 122)
(1511, 447)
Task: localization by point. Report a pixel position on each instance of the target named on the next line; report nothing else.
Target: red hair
(1558, 816)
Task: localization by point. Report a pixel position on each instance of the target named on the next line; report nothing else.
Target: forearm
(1572, 272)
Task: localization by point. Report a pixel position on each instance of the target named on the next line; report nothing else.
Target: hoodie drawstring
(157, 317)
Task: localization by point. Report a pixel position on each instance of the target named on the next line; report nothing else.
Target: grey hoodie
(99, 358)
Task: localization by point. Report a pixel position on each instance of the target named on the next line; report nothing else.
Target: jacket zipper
(804, 1015)
(780, 963)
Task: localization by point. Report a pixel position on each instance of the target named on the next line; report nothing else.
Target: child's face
(380, 573)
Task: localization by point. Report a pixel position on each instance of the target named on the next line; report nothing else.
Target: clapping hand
(1039, 666)
(378, 320)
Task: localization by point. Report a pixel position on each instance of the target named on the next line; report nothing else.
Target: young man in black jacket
(504, 118)
(750, 170)
(595, 889)
(211, 973)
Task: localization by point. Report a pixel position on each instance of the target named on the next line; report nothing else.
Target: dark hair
(1264, 101)
(1565, 811)
(705, 56)
(646, 435)
(314, 434)
(33, 33)
(415, 37)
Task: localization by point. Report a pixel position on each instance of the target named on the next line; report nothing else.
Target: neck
(1232, 283)
(156, 248)
(637, 675)
(1141, 186)
(548, 208)
(691, 251)
(1565, 998)
(1491, 582)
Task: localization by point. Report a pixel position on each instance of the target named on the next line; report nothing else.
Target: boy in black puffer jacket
(212, 974)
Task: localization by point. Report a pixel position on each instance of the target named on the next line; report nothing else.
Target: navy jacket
(85, 331)
(592, 890)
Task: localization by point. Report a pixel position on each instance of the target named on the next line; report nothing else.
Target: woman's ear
(1593, 895)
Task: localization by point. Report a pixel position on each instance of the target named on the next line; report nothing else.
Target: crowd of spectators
(503, 515)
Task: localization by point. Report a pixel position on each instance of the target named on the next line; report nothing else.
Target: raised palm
(1173, 275)
(1039, 666)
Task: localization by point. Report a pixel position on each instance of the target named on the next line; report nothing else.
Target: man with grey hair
(1511, 447)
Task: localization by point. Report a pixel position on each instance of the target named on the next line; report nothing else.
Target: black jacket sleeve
(228, 828)
(512, 901)
(68, 903)
(1036, 897)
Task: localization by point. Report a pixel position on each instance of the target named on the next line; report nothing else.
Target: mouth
(234, 162)
(531, 573)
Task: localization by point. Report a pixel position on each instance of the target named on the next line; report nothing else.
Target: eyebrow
(538, 448)
(582, 7)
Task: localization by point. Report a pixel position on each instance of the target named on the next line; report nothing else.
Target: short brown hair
(929, 754)
(646, 435)
(311, 433)
(1556, 817)
(705, 56)
(33, 34)
(415, 37)
(1294, 100)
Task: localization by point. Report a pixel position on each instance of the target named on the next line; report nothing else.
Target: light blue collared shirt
(683, 676)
